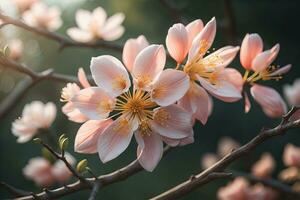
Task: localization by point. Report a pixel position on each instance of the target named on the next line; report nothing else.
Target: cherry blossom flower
(291, 156)
(44, 173)
(193, 41)
(292, 93)
(39, 170)
(68, 92)
(147, 111)
(208, 160)
(23, 5)
(290, 174)
(253, 58)
(60, 171)
(15, 49)
(259, 191)
(226, 145)
(236, 190)
(35, 116)
(95, 25)
(42, 16)
(264, 167)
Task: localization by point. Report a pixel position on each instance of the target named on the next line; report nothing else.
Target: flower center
(137, 107)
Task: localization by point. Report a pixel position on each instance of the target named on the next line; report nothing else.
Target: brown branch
(272, 183)
(61, 40)
(14, 191)
(24, 85)
(221, 165)
(103, 180)
(95, 190)
(62, 158)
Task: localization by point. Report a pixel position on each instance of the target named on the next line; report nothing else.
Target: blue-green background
(275, 20)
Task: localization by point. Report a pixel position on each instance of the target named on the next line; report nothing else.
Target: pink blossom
(148, 112)
(261, 192)
(15, 49)
(42, 16)
(95, 25)
(60, 171)
(226, 145)
(254, 59)
(23, 5)
(44, 173)
(264, 167)
(39, 170)
(291, 156)
(290, 174)
(236, 190)
(193, 41)
(208, 160)
(68, 92)
(292, 93)
(35, 116)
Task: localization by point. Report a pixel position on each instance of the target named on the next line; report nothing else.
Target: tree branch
(95, 190)
(221, 165)
(14, 191)
(61, 40)
(103, 180)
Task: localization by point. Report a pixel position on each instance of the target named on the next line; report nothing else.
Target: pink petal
(233, 76)
(193, 29)
(177, 42)
(150, 150)
(224, 90)
(179, 142)
(264, 59)
(170, 86)
(148, 64)
(251, 46)
(82, 78)
(80, 35)
(203, 41)
(88, 134)
(83, 19)
(110, 74)
(269, 99)
(281, 70)
(172, 122)
(247, 103)
(94, 102)
(99, 17)
(114, 34)
(113, 22)
(223, 56)
(131, 49)
(197, 102)
(115, 139)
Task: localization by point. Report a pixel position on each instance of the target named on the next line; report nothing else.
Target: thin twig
(64, 42)
(221, 165)
(104, 180)
(63, 158)
(14, 191)
(95, 190)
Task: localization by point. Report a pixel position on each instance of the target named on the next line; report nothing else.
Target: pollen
(120, 83)
(162, 116)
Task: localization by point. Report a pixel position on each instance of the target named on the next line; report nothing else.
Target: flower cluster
(44, 173)
(241, 189)
(35, 116)
(139, 97)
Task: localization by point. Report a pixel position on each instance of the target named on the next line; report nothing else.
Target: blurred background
(275, 20)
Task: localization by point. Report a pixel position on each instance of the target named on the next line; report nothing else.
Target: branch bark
(103, 180)
(191, 184)
(63, 42)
